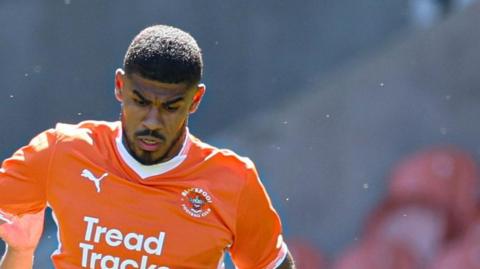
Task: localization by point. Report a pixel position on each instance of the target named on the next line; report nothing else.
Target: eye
(140, 102)
(171, 108)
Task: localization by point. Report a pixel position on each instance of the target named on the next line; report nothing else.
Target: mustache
(152, 133)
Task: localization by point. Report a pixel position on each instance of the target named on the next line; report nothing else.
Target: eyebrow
(173, 101)
(169, 102)
(139, 95)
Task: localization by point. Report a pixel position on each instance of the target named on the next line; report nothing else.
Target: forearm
(21, 235)
(14, 259)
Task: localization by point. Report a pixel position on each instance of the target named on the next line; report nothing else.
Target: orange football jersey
(113, 212)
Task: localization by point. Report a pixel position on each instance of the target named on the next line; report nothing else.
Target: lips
(148, 143)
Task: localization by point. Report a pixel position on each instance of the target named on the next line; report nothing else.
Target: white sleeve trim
(282, 254)
(4, 218)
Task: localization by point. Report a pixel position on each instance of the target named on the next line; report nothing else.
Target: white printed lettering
(125, 263)
(108, 258)
(85, 248)
(158, 244)
(114, 237)
(144, 263)
(90, 222)
(98, 233)
(138, 241)
(94, 258)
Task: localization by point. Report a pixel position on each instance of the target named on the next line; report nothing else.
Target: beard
(146, 157)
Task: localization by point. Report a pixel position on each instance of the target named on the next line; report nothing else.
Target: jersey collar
(145, 171)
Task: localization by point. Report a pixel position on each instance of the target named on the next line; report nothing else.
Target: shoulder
(222, 156)
(223, 159)
(85, 131)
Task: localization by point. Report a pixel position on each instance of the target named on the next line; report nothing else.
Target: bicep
(20, 192)
(258, 241)
(23, 177)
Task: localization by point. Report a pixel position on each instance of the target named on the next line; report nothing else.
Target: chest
(181, 222)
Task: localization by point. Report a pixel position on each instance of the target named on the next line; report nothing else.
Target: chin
(148, 162)
(145, 158)
(148, 158)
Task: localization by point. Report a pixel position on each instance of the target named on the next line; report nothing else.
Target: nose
(152, 119)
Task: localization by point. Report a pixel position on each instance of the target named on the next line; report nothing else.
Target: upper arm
(258, 241)
(23, 177)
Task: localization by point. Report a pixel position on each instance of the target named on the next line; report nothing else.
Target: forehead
(153, 88)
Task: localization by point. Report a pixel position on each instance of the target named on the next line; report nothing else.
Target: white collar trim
(145, 171)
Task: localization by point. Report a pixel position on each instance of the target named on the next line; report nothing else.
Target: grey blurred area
(325, 96)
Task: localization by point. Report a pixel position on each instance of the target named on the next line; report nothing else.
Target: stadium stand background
(324, 95)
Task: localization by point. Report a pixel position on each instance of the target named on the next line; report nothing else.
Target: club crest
(196, 202)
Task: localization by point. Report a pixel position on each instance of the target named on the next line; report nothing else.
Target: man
(143, 192)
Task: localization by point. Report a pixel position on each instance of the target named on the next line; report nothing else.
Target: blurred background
(361, 116)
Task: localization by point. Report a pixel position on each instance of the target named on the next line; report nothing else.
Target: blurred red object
(377, 254)
(446, 177)
(464, 253)
(416, 225)
(432, 198)
(305, 255)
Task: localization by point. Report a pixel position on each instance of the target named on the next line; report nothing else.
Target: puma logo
(89, 175)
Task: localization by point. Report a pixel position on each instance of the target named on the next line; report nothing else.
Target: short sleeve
(23, 176)
(258, 241)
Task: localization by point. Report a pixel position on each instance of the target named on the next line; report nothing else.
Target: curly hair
(166, 54)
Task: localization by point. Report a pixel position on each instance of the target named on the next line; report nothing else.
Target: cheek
(179, 120)
(131, 118)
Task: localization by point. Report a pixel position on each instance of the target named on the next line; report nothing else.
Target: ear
(197, 98)
(119, 83)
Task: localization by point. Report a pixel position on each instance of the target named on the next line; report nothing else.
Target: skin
(152, 111)
(154, 115)
(21, 235)
(150, 107)
(154, 120)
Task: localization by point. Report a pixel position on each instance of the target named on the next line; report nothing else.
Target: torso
(110, 217)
